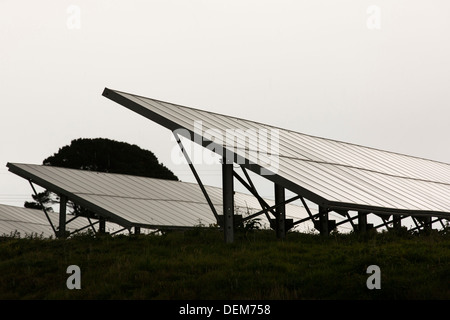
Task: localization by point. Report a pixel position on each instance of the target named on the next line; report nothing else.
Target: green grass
(199, 265)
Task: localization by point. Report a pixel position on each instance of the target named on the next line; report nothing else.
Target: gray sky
(375, 73)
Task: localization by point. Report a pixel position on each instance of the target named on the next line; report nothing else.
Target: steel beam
(265, 210)
(307, 208)
(397, 217)
(250, 187)
(397, 221)
(362, 221)
(43, 208)
(197, 177)
(102, 225)
(92, 225)
(323, 221)
(427, 221)
(306, 219)
(228, 200)
(280, 224)
(85, 227)
(62, 216)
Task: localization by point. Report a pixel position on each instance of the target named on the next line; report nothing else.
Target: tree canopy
(103, 155)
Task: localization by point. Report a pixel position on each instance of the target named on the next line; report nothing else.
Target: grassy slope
(198, 265)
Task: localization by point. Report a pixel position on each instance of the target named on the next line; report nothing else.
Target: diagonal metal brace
(199, 181)
(263, 203)
(43, 208)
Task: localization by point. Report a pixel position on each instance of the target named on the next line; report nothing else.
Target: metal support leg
(281, 212)
(102, 225)
(397, 221)
(137, 230)
(323, 221)
(228, 200)
(62, 216)
(427, 223)
(362, 222)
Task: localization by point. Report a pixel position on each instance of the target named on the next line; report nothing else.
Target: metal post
(427, 221)
(62, 216)
(228, 200)
(137, 230)
(102, 225)
(362, 221)
(397, 221)
(281, 212)
(323, 221)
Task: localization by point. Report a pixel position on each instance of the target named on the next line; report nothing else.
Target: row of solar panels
(330, 173)
(335, 175)
(23, 222)
(127, 201)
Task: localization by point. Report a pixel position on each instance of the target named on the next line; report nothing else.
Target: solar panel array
(331, 173)
(23, 222)
(139, 201)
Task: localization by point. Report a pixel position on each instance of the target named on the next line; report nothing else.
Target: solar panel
(334, 174)
(133, 201)
(22, 222)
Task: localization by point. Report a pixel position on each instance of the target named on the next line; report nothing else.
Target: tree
(102, 155)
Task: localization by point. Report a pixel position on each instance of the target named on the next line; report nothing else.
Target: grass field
(199, 265)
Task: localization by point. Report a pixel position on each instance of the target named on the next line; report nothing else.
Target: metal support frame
(102, 225)
(92, 224)
(427, 223)
(280, 224)
(385, 222)
(415, 222)
(362, 221)
(228, 200)
(43, 208)
(87, 226)
(197, 178)
(270, 208)
(397, 221)
(280, 201)
(313, 217)
(323, 221)
(442, 223)
(61, 232)
(120, 230)
(62, 216)
(351, 220)
(250, 187)
(307, 208)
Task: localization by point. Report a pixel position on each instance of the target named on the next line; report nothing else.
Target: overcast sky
(374, 73)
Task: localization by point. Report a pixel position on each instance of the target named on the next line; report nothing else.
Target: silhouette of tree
(102, 155)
